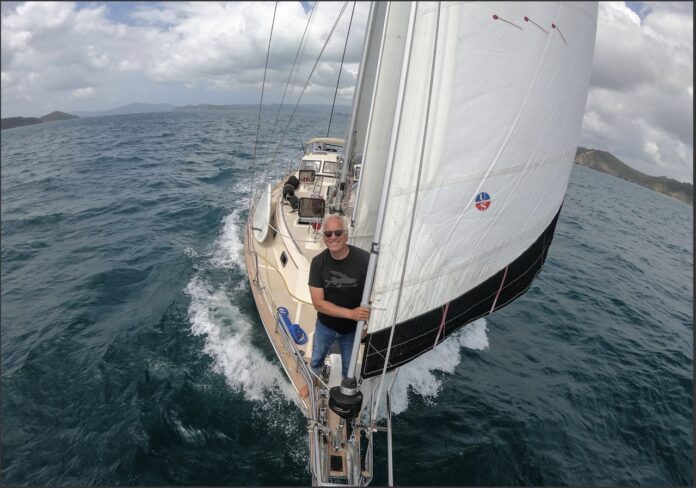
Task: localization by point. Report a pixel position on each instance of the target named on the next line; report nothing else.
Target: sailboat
(464, 126)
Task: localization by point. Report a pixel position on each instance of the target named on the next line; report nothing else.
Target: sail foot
(420, 334)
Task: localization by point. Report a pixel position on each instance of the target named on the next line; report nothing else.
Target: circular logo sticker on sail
(483, 201)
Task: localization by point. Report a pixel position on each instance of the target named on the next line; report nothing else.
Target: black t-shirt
(343, 281)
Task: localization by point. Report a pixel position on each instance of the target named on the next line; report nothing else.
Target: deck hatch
(336, 463)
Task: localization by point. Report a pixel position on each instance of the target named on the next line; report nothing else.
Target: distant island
(143, 108)
(207, 107)
(311, 108)
(590, 158)
(12, 122)
(131, 108)
(611, 165)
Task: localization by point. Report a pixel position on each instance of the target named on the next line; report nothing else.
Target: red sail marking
(495, 17)
(561, 33)
(442, 323)
(502, 282)
(527, 19)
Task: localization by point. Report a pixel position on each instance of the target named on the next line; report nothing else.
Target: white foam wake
(420, 375)
(229, 248)
(228, 333)
(228, 341)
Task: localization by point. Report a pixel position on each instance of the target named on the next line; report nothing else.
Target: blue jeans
(323, 339)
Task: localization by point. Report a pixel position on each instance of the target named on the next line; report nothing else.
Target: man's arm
(328, 308)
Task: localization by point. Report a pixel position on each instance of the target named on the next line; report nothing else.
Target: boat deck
(279, 271)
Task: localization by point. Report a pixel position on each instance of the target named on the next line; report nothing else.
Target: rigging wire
(293, 83)
(351, 156)
(263, 85)
(302, 141)
(300, 47)
(386, 184)
(345, 46)
(415, 202)
(277, 147)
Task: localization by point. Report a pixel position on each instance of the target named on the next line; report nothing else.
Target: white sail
(509, 86)
(368, 73)
(372, 132)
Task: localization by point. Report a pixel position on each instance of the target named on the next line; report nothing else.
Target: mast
(383, 14)
(347, 159)
(348, 393)
(374, 251)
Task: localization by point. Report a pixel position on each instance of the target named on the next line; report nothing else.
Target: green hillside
(610, 164)
(57, 116)
(12, 122)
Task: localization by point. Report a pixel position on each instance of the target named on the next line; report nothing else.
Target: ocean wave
(421, 377)
(228, 334)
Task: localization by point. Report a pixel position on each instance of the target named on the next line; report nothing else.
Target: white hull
(278, 270)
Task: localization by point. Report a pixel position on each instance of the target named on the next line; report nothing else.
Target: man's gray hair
(342, 220)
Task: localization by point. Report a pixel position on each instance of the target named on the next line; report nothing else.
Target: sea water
(132, 352)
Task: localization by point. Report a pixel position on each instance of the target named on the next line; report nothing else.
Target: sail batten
(497, 144)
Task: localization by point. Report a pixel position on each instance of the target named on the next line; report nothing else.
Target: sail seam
(487, 297)
(514, 123)
(552, 160)
(441, 271)
(399, 363)
(396, 364)
(415, 346)
(384, 200)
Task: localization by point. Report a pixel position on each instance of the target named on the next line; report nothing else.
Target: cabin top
(324, 145)
(322, 164)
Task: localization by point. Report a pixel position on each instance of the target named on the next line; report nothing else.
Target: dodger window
(311, 210)
(310, 165)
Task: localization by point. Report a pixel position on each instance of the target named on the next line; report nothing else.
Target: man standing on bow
(336, 281)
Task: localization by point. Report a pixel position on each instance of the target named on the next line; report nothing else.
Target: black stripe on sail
(417, 335)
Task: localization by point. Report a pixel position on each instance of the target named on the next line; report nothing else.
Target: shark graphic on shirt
(339, 280)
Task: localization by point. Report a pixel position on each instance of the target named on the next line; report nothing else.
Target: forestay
(510, 83)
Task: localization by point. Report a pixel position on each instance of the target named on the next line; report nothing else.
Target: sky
(75, 56)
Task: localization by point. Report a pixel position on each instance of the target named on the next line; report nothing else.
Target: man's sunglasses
(337, 233)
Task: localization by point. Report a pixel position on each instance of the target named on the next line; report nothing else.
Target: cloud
(224, 45)
(207, 47)
(640, 105)
(87, 92)
(154, 16)
(53, 51)
(55, 54)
